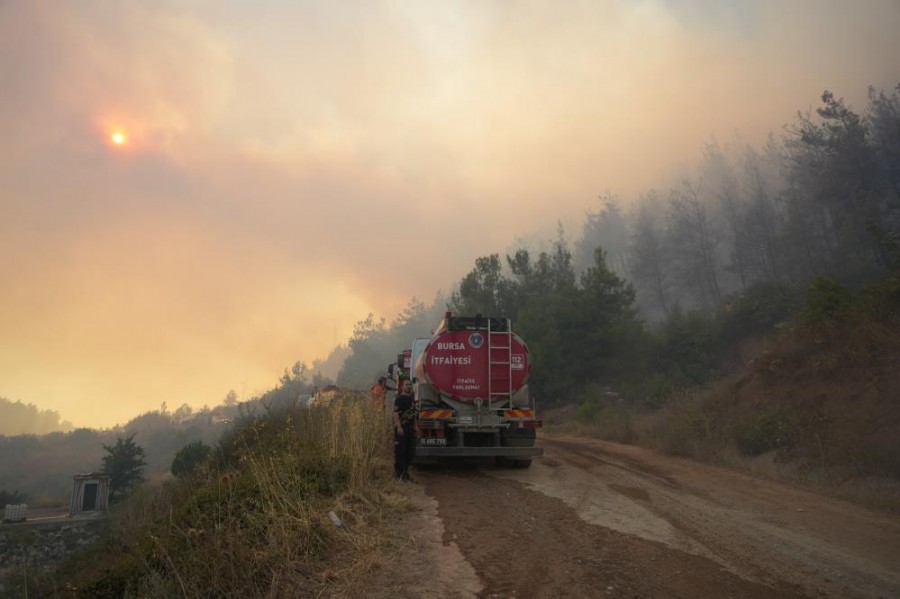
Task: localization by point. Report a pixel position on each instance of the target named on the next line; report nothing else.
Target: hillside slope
(819, 403)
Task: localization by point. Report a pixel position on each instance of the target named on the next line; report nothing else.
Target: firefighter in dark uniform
(404, 430)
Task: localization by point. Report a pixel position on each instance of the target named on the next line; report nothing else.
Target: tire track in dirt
(585, 457)
(759, 530)
(526, 544)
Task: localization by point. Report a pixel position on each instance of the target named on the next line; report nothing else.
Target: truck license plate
(441, 442)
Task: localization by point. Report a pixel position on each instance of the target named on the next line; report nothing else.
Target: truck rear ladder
(499, 363)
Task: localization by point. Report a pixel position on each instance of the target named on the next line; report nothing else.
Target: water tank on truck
(471, 386)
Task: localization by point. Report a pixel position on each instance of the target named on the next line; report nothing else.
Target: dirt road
(595, 519)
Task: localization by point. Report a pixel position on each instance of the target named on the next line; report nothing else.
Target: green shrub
(189, 458)
(589, 403)
(760, 310)
(688, 347)
(827, 303)
(655, 391)
(764, 431)
(587, 411)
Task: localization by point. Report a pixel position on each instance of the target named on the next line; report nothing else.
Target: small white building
(90, 493)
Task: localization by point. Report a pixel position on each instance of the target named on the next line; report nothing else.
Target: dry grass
(255, 521)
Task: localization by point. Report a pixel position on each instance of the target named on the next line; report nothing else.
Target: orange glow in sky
(225, 203)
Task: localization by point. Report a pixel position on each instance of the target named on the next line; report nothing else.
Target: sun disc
(118, 138)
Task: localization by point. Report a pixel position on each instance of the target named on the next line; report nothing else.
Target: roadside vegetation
(818, 404)
(290, 502)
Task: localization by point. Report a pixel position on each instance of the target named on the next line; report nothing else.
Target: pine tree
(124, 462)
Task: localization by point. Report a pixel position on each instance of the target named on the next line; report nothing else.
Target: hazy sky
(289, 167)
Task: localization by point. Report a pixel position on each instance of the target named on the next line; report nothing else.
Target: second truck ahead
(470, 380)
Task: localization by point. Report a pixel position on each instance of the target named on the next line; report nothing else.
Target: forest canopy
(658, 291)
(17, 418)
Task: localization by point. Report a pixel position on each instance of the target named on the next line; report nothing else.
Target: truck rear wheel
(521, 463)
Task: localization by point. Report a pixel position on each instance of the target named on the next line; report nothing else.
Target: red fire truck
(471, 384)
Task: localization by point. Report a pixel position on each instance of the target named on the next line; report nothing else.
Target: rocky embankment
(38, 546)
